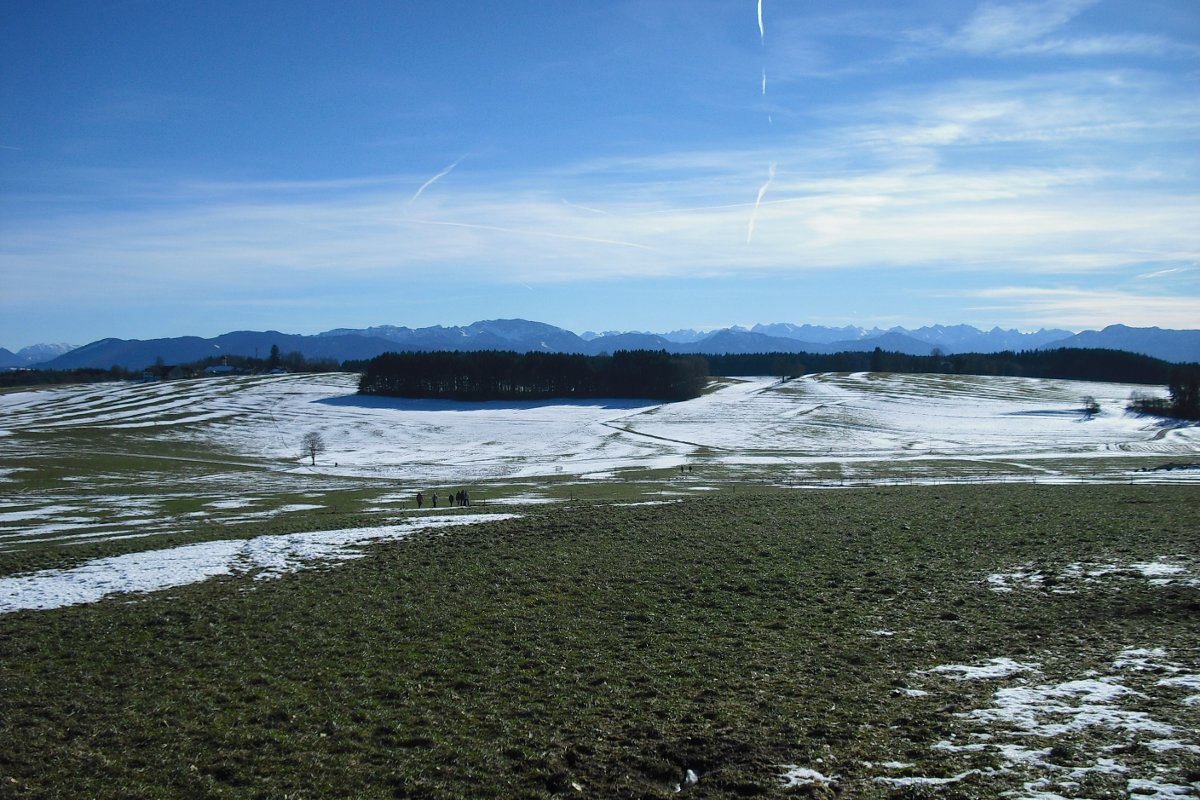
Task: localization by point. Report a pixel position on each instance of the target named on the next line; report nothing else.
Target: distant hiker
(420, 500)
(466, 498)
(435, 500)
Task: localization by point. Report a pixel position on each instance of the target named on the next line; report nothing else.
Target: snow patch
(152, 570)
(990, 670)
(1070, 707)
(796, 776)
(918, 781)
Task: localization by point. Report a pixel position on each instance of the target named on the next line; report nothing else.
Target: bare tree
(312, 445)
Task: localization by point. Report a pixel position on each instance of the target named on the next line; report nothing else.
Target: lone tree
(311, 445)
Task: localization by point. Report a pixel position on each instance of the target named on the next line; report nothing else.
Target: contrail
(432, 180)
(758, 201)
(762, 38)
(569, 204)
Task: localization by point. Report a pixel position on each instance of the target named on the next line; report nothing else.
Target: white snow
(794, 776)
(1143, 659)
(919, 781)
(265, 556)
(530, 500)
(1070, 707)
(236, 502)
(990, 670)
(1187, 682)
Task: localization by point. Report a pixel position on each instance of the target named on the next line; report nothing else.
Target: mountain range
(344, 344)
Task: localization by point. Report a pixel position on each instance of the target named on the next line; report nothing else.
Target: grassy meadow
(871, 642)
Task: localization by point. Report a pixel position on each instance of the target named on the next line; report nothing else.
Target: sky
(192, 167)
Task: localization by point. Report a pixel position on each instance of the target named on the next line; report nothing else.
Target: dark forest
(501, 375)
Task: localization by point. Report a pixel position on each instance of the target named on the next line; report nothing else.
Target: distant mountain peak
(526, 335)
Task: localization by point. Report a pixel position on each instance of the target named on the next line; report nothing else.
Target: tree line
(1112, 366)
(20, 378)
(505, 375)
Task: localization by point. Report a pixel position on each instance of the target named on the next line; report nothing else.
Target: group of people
(459, 498)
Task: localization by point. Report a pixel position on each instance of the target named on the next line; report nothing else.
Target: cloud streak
(434, 180)
(529, 233)
(1006, 27)
(1079, 307)
(762, 190)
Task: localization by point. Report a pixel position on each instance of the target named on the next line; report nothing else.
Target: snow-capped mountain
(34, 354)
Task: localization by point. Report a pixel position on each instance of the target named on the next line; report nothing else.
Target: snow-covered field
(817, 428)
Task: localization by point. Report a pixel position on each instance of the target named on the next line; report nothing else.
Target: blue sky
(172, 167)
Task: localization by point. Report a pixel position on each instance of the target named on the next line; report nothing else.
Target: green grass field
(589, 649)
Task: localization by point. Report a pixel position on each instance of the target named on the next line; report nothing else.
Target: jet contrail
(569, 204)
(762, 36)
(764, 82)
(758, 201)
(432, 180)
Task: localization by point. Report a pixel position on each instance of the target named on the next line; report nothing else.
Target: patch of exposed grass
(597, 650)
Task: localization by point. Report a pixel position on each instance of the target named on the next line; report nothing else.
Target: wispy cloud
(1027, 220)
(1006, 27)
(1081, 307)
(528, 233)
(1085, 107)
(1124, 44)
(1163, 273)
